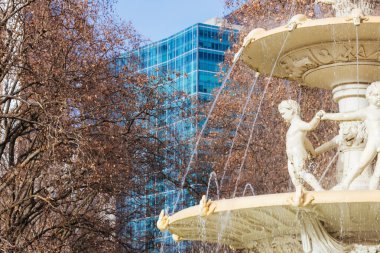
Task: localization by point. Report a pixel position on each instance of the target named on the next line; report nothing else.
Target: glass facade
(191, 59)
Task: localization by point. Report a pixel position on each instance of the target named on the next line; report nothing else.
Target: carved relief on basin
(323, 65)
(319, 53)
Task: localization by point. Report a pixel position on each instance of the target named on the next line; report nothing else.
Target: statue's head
(289, 108)
(373, 94)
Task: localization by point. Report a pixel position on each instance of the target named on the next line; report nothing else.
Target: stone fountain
(341, 54)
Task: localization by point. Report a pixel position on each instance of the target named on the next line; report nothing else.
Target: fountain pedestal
(351, 97)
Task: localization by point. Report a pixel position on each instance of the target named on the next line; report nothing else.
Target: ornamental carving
(297, 62)
(352, 135)
(284, 244)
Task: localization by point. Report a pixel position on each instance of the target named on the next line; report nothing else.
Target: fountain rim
(311, 23)
(288, 53)
(281, 199)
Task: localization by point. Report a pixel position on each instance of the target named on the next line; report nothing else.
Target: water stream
(357, 60)
(213, 175)
(242, 115)
(257, 114)
(227, 76)
(329, 166)
(250, 187)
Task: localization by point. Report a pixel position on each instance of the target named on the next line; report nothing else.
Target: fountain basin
(321, 53)
(270, 220)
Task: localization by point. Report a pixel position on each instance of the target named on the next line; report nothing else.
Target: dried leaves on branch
(265, 165)
(72, 126)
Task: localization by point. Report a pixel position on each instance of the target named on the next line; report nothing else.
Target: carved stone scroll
(296, 63)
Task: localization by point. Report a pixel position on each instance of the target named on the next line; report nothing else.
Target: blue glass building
(191, 58)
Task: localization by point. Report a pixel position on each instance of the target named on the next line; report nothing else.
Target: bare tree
(263, 164)
(73, 126)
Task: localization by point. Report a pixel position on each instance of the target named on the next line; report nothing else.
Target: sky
(158, 19)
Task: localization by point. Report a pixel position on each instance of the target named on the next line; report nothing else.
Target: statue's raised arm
(370, 115)
(359, 115)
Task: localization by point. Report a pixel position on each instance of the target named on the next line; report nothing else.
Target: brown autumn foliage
(73, 127)
(265, 166)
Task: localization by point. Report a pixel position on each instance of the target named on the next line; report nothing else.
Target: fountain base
(346, 219)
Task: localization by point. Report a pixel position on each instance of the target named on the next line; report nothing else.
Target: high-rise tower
(191, 58)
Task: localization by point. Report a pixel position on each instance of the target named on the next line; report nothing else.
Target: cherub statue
(371, 117)
(298, 146)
